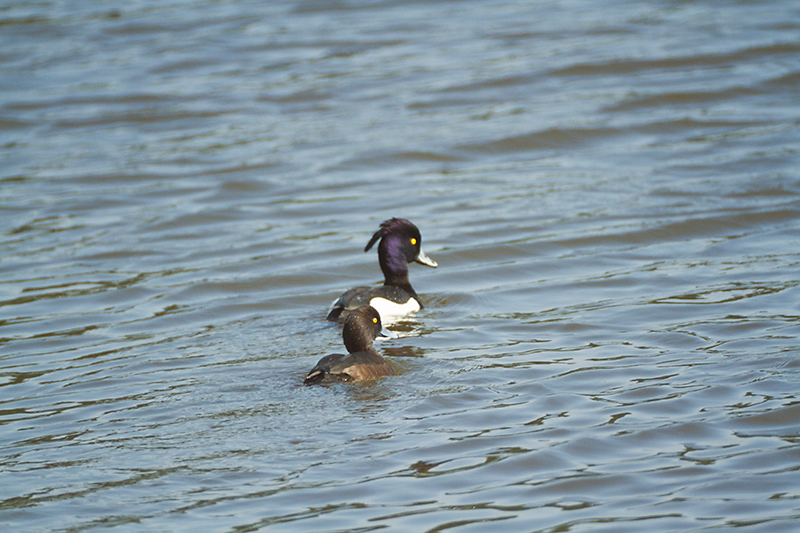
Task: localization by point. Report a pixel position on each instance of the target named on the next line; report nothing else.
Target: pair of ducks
(365, 309)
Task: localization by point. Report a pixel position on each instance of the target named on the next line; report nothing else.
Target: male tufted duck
(400, 244)
(362, 326)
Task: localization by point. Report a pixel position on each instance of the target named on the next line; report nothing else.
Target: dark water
(610, 342)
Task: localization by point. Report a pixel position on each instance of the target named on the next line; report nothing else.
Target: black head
(400, 244)
(362, 327)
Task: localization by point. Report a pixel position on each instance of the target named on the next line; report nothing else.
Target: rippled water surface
(612, 193)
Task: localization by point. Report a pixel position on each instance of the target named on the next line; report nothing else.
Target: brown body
(361, 328)
(350, 367)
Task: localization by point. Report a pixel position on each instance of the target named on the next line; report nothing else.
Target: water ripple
(608, 344)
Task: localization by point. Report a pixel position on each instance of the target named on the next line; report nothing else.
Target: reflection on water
(609, 343)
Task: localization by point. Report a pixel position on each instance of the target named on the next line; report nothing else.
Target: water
(609, 343)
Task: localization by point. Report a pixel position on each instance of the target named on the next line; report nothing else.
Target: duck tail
(335, 313)
(315, 376)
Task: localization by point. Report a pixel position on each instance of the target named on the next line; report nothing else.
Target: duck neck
(393, 264)
(355, 339)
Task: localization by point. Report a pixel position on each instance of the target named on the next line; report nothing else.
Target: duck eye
(374, 320)
(413, 241)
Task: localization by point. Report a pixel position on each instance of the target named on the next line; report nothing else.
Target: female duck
(400, 244)
(362, 327)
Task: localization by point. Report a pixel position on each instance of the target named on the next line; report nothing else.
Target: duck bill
(423, 259)
(386, 334)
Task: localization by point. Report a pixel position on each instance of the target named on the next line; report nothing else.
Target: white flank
(391, 311)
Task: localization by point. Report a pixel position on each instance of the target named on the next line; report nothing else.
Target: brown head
(362, 327)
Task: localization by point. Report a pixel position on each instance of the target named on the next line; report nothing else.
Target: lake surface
(610, 342)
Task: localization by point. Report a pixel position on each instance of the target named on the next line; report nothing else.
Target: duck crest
(396, 250)
(399, 243)
(387, 227)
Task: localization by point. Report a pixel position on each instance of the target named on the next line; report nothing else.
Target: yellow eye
(413, 241)
(374, 320)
